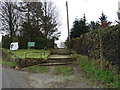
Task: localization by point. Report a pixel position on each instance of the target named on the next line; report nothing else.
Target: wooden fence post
(101, 50)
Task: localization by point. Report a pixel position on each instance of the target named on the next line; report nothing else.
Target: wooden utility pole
(68, 21)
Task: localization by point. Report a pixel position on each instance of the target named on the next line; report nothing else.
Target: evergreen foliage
(93, 25)
(88, 44)
(35, 22)
(79, 27)
(103, 21)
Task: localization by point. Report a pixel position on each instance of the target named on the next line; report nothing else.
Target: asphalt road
(14, 79)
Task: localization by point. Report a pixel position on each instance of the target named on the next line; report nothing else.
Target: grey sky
(92, 9)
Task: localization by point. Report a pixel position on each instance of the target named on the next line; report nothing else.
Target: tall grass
(93, 71)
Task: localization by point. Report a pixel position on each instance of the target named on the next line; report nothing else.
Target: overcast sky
(91, 8)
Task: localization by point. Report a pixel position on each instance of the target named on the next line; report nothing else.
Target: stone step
(60, 52)
(61, 58)
(55, 64)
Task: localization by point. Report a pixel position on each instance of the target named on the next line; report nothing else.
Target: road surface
(14, 79)
(21, 79)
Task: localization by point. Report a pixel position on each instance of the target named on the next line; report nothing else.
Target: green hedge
(6, 41)
(89, 44)
(40, 42)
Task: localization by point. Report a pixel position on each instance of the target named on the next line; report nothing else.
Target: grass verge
(93, 71)
(38, 69)
(9, 59)
(30, 53)
(9, 63)
(63, 70)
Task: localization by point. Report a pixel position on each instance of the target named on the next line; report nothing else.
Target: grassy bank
(38, 69)
(11, 64)
(63, 70)
(10, 59)
(30, 53)
(89, 44)
(95, 74)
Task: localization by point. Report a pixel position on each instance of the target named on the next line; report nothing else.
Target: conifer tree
(103, 21)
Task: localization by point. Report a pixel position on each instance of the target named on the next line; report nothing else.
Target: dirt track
(24, 79)
(48, 80)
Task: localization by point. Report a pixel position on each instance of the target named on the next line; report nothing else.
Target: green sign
(31, 44)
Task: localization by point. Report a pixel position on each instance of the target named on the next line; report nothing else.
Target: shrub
(6, 42)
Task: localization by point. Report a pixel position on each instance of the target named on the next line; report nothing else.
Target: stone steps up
(55, 64)
(60, 52)
(60, 60)
(59, 57)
